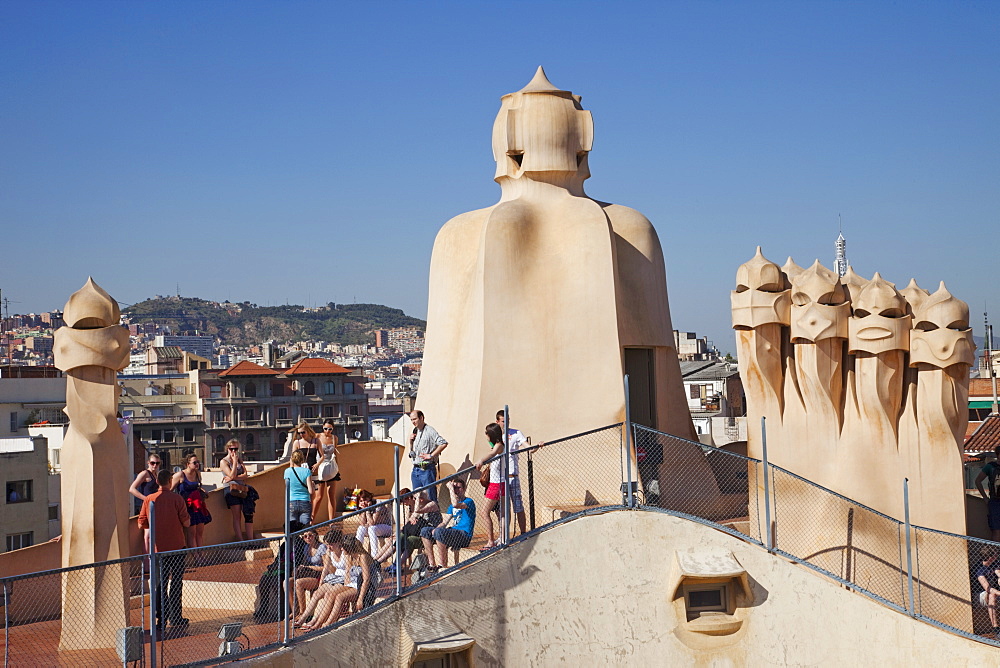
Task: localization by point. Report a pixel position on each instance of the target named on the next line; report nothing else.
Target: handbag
(238, 490)
(328, 468)
(484, 477)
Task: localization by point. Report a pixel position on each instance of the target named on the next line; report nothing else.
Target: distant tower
(840, 262)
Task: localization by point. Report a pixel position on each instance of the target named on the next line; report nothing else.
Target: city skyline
(307, 154)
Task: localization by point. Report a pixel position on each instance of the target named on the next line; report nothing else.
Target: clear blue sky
(309, 151)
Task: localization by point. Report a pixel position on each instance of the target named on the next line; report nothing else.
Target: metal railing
(241, 599)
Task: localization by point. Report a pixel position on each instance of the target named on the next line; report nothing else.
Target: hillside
(248, 324)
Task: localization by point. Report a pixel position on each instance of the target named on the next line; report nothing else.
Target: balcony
(150, 419)
(284, 423)
(220, 424)
(247, 424)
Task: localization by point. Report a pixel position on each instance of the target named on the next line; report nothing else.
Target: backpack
(419, 567)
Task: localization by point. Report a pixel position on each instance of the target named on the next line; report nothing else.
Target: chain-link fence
(699, 481)
(219, 602)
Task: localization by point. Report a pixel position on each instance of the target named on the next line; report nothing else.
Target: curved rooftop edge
(613, 588)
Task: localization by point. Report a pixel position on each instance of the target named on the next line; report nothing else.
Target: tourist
(986, 574)
(992, 500)
(418, 513)
(454, 532)
(331, 581)
(361, 581)
(187, 483)
(495, 490)
(426, 444)
(305, 440)
(515, 441)
(326, 471)
(241, 498)
(300, 490)
(308, 574)
(375, 522)
(171, 517)
(144, 485)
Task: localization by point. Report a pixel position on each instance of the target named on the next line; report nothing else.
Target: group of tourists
(339, 569)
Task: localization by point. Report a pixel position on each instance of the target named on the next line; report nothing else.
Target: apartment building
(259, 405)
(24, 473)
(165, 413)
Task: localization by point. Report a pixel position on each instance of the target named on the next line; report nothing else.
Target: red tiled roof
(314, 366)
(986, 437)
(247, 368)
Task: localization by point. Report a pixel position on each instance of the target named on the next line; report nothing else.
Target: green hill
(248, 324)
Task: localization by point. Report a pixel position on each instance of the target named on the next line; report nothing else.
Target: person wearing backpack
(300, 489)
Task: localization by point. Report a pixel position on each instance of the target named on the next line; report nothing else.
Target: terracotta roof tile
(314, 366)
(247, 368)
(986, 437)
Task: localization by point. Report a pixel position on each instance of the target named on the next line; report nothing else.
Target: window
(54, 512)
(16, 541)
(248, 441)
(220, 416)
(309, 388)
(327, 411)
(282, 413)
(248, 414)
(13, 421)
(277, 390)
(249, 390)
(354, 409)
(695, 391)
(156, 435)
(705, 598)
(168, 435)
(19, 491)
(348, 388)
(308, 412)
(215, 391)
(189, 435)
(329, 387)
(220, 443)
(128, 414)
(158, 412)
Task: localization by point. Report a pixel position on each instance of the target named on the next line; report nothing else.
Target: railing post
(154, 585)
(288, 573)
(531, 491)
(399, 521)
(505, 475)
(909, 553)
(767, 485)
(628, 446)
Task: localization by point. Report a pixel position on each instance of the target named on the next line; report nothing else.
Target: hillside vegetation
(248, 324)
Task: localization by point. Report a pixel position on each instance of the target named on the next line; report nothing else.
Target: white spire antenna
(840, 261)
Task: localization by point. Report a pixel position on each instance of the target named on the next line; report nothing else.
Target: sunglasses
(300, 433)
(154, 463)
(234, 449)
(327, 428)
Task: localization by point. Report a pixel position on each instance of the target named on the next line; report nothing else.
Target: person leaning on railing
(497, 486)
(987, 576)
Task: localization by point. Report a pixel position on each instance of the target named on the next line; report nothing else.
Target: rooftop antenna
(989, 359)
(840, 260)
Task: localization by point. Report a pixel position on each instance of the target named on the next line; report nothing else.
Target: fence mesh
(843, 538)
(72, 616)
(232, 598)
(699, 480)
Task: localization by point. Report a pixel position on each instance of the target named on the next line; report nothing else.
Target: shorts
(451, 537)
(495, 491)
(514, 492)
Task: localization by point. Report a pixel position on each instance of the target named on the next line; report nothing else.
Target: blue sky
(309, 151)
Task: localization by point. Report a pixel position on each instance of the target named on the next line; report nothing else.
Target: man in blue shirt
(455, 531)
